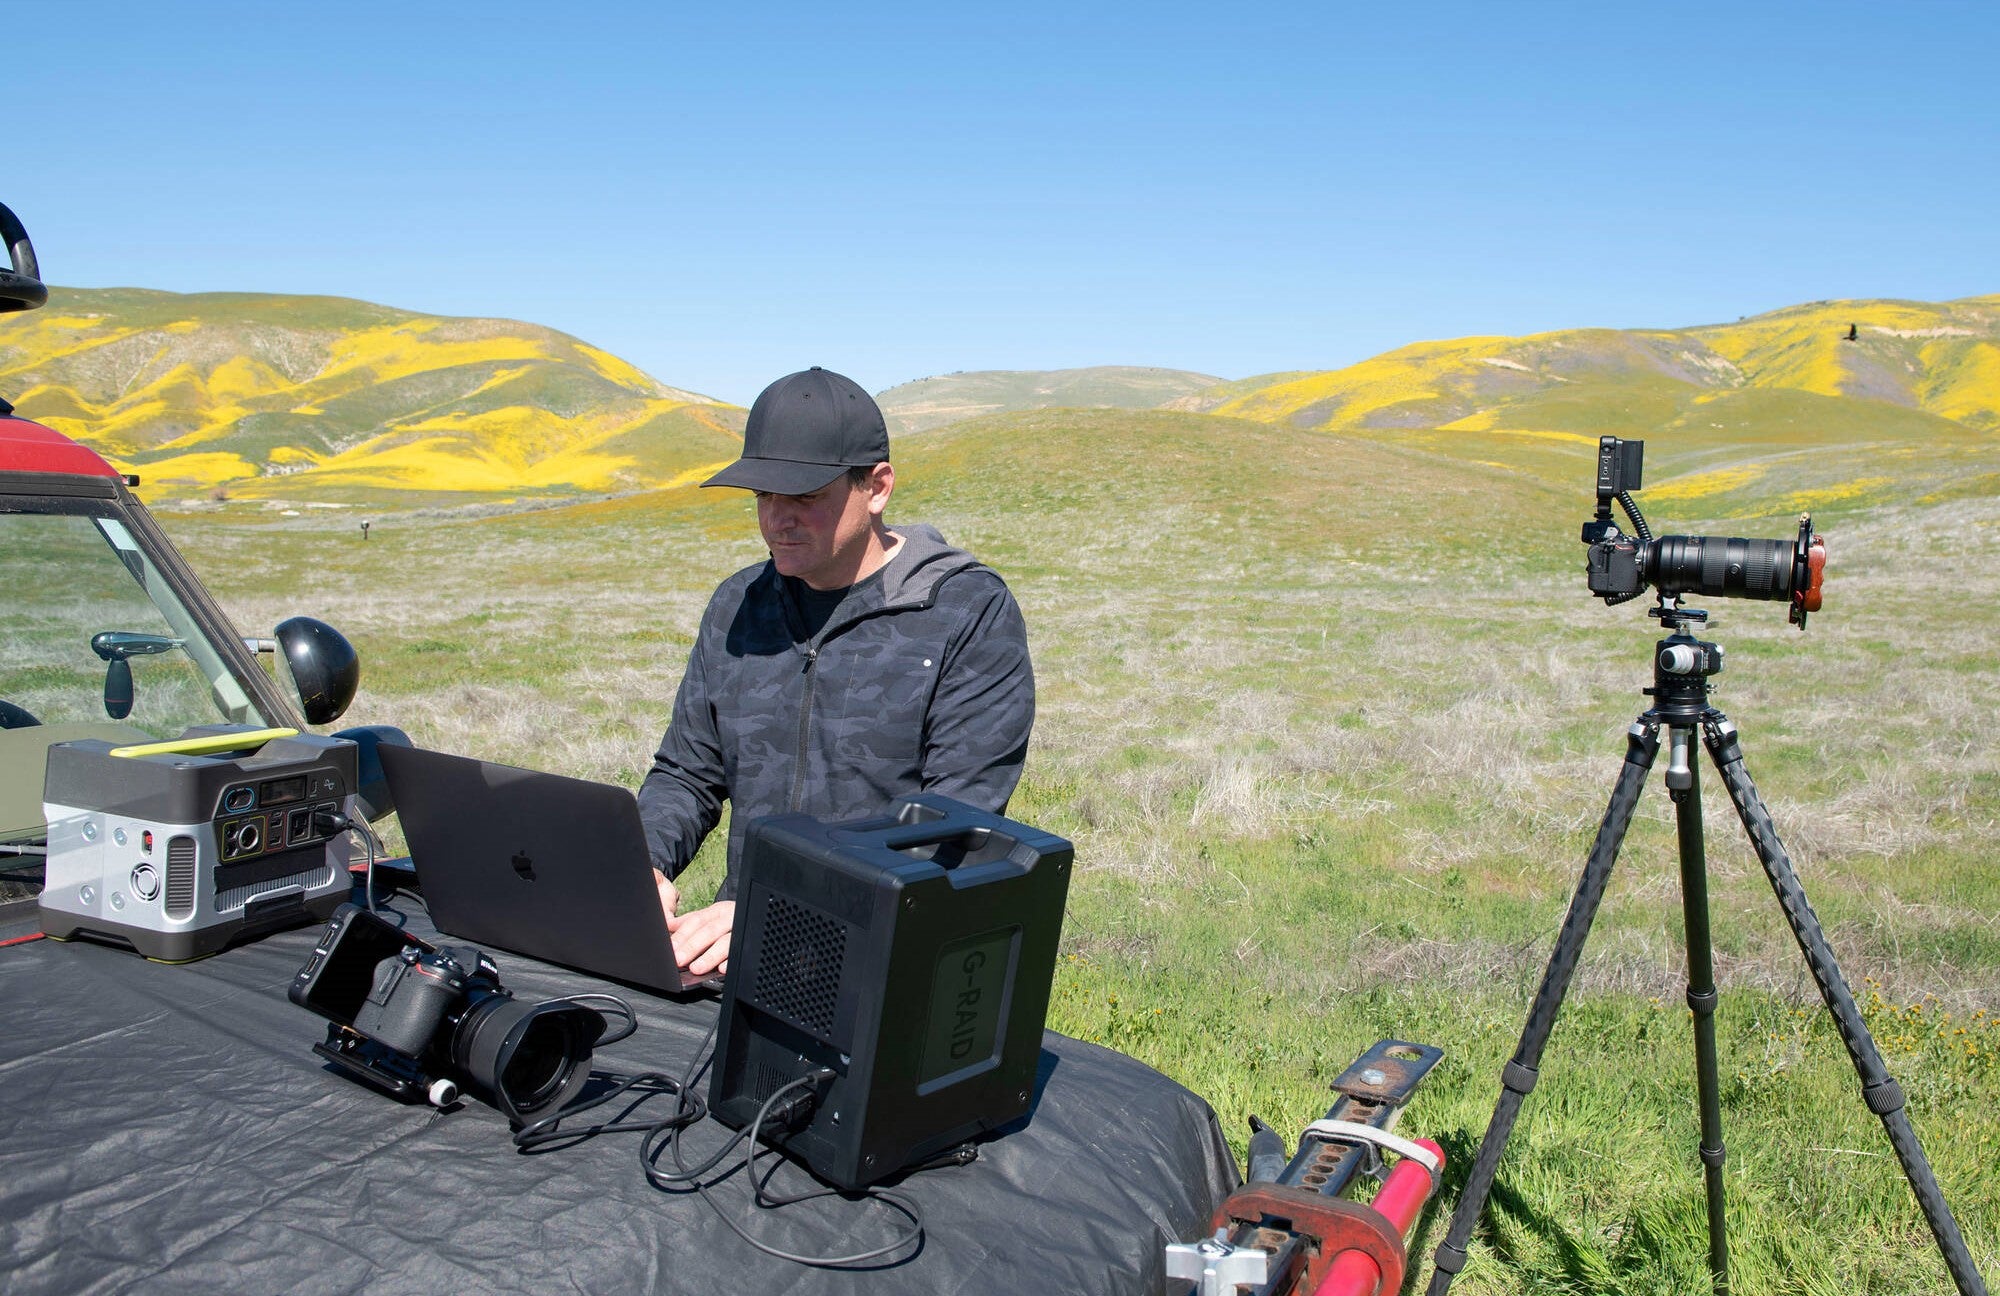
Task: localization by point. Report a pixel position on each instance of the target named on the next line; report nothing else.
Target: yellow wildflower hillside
(254, 396)
(1824, 403)
(1941, 358)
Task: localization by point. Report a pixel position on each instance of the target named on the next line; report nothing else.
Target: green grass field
(1332, 720)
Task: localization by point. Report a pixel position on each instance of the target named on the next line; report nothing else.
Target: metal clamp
(1217, 1267)
(1341, 1131)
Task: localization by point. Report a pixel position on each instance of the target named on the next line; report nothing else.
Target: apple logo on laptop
(524, 865)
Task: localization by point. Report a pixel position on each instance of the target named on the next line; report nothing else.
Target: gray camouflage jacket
(918, 682)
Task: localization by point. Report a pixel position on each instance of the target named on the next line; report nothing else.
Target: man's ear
(881, 481)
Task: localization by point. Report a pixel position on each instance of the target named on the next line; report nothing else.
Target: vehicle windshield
(94, 643)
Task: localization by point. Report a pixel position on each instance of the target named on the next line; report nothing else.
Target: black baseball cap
(805, 430)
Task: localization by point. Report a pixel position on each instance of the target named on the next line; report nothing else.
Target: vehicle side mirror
(324, 666)
(117, 647)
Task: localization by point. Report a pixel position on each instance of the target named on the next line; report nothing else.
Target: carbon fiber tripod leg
(1882, 1094)
(1642, 741)
(1684, 784)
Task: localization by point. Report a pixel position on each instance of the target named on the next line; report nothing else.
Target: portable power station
(180, 848)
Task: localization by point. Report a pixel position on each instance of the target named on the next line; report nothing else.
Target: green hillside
(933, 402)
(322, 398)
(317, 399)
(1772, 414)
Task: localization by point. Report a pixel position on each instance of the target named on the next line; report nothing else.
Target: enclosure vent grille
(180, 877)
(798, 969)
(766, 1080)
(238, 896)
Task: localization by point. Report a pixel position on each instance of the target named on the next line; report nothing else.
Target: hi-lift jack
(1290, 1230)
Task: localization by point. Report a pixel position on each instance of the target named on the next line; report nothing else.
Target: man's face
(820, 538)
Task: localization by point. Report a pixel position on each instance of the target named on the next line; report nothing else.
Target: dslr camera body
(422, 1021)
(417, 991)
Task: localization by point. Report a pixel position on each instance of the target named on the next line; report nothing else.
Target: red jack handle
(1400, 1200)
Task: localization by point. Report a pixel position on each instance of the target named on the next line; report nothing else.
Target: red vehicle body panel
(30, 447)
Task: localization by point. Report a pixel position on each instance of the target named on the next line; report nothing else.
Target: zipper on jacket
(810, 650)
(805, 727)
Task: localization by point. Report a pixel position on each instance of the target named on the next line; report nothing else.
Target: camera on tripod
(1620, 567)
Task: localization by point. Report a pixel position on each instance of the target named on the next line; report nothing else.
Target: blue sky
(722, 197)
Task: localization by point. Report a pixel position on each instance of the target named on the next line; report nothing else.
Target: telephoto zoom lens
(1729, 567)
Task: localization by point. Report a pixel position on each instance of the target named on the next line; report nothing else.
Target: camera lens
(541, 1062)
(1719, 566)
(532, 1058)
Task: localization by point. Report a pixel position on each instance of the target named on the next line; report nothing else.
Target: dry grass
(1329, 783)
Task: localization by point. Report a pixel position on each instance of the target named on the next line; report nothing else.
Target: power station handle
(207, 744)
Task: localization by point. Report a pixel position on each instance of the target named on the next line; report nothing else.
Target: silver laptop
(551, 867)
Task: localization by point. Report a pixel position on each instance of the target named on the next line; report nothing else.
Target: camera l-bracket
(383, 1068)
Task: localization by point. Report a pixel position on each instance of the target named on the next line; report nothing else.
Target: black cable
(328, 822)
(594, 999)
(410, 893)
(368, 877)
(690, 1109)
(547, 1130)
(669, 1179)
(894, 1200)
(1631, 507)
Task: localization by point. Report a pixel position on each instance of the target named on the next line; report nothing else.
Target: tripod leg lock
(1448, 1258)
(1713, 1157)
(1703, 1003)
(1721, 735)
(1884, 1098)
(1520, 1079)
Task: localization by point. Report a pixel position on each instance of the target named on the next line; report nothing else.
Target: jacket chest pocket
(881, 703)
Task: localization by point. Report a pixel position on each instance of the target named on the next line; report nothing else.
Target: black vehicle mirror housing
(117, 647)
(324, 667)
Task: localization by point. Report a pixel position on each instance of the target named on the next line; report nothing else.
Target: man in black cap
(858, 664)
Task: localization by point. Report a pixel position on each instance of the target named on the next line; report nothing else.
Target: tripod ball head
(1691, 657)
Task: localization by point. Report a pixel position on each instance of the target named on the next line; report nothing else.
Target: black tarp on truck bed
(168, 1129)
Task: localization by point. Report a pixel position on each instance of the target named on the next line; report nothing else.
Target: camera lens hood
(532, 1058)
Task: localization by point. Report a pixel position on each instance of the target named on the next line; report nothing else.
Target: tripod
(1681, 667)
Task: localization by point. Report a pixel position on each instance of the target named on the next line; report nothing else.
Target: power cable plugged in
(328, 822)
(790, 1106)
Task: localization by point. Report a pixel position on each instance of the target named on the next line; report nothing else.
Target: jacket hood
(924, 561)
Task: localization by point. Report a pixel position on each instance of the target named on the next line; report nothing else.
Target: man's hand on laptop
(670, 895)
(701, 937)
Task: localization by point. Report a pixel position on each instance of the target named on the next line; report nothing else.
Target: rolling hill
(266, 396)
(1772, 413)
(1941, 358)
(934, 402)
